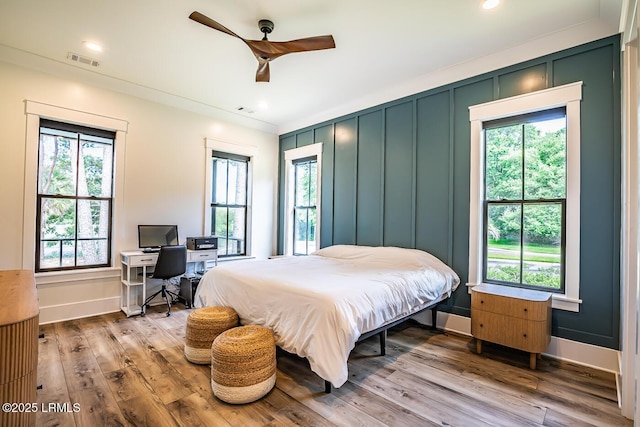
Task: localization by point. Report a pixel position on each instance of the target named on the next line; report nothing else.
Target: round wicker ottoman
(203, 326)
(243, 364)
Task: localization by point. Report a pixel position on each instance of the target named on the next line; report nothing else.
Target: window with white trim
(229, 203)
(75, 197)
(304, 206)
(228, 196)
(512, 142)
(303, 168)
(109, 185)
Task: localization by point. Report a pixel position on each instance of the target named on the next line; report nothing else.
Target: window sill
(558, 301)
(52, 277)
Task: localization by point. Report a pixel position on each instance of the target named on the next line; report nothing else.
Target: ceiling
(384, 50)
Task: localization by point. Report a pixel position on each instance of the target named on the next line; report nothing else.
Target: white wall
(163, 180)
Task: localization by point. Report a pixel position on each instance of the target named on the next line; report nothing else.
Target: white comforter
(319, 305)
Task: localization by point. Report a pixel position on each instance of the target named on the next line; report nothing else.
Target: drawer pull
(481, 302)
(525, 310)
(525, 335)
(481, 325)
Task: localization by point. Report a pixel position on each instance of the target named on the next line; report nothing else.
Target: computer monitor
(152, 237)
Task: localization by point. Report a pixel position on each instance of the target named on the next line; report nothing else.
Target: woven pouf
(203, 326)
(243, 364)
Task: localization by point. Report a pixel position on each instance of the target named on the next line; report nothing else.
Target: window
(524, 211)
(74, 198)
(229, 202)
(303, 168)
(524, 200)
(304, 206)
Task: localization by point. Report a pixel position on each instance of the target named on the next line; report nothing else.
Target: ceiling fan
(266, 51)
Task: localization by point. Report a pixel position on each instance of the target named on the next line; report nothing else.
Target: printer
(202, 243)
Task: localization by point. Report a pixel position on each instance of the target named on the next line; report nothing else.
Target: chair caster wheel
(142, 314)
(168, 314)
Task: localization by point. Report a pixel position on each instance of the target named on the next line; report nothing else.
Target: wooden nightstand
(513, 317)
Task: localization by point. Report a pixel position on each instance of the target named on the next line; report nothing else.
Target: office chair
(172, 262)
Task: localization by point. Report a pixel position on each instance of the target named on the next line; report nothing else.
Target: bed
(320, 305)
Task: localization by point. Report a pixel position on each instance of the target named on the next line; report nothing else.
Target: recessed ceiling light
(490, 4)
(263, 105)
(93, 46)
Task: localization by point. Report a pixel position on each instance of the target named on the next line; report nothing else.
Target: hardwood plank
(87, 386)
(51, 377)
(157, 371)
(416, 402)
(307, 388)
(346, 405)
(467, 393)
(558, 419)
(105, 347)
(444, 351)
(146, 411)
(195, 410)
(155, 334)
(289, 411)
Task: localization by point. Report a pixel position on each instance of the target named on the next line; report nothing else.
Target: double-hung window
(229, 202)
(304, 206)
(74, 198)
(524, 195)
(525, 199)
(303, 169)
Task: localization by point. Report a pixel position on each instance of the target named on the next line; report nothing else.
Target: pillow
(380, 254)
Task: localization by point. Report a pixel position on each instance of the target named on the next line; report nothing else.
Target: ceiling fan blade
(307, 44)
(263, 74)
(205, 20)
(266, 49)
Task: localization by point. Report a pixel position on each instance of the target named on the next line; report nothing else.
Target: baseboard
(77, 310)
(594, 356)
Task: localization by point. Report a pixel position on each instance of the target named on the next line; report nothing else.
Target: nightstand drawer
(526, 335)
(514, 302)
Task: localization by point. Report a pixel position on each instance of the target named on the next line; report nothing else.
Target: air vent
(82, 59)
(245, 110)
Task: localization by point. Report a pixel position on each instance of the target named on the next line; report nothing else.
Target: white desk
(136, 265)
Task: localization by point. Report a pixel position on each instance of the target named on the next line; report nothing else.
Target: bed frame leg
(327, 387)
(434, 317)
(383, 342)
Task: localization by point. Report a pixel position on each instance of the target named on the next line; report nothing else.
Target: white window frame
(34, 111)
(250, 151)
(290, 156)
(568, 96)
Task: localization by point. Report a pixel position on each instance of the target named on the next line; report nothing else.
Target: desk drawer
(527, 335)
(140, 260)
(198, 256)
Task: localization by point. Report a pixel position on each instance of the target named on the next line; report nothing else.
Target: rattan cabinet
(513, 317)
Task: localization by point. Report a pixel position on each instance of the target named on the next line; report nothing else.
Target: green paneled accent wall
(370, 184)
(345, 166)
(434, 160)
(398, 174)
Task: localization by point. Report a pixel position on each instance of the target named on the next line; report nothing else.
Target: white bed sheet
(319, 305)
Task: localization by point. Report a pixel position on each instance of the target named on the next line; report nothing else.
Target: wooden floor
(112, 370)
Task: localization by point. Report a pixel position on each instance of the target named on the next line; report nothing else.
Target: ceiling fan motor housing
(265, 26)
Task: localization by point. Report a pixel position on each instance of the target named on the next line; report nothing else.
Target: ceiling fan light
(490, 4)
